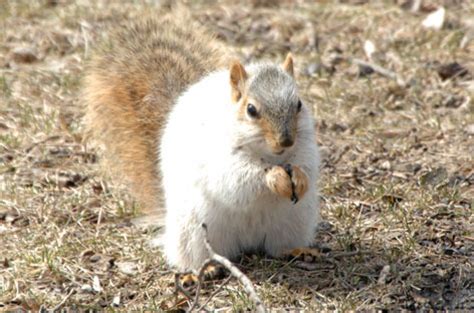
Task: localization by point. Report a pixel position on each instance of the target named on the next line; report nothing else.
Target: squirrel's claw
(289, 170)
(294, 197)
(299, 183)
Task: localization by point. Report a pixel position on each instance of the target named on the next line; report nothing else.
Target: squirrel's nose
(286, 141)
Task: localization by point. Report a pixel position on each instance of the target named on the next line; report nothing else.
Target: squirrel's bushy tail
(131, 84)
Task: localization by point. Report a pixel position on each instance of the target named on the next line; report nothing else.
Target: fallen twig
(235, 272)
(33, 145)
(60, 304)
(347, 254)
(246, 283)
(379, 69)
(214, 293)
(200, 279)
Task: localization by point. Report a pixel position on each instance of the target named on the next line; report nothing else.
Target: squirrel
(202, 139)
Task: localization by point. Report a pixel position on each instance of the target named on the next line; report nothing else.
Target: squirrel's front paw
(300, 182)
(279, 181)
(287, 181)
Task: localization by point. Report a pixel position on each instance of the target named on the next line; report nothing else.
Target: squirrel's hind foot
(308, 255)
(211, 273)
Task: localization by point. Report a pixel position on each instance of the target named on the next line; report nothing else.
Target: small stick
(246, 283)
(33, 145)
(201, 274)
(214, 293)
(60, 304)
(346, 254)
(235, 272)
(382, 71)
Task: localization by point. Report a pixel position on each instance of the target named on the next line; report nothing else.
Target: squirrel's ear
(288, 64)
(238, 76)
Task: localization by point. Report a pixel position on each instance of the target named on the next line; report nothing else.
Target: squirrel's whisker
(250, 140)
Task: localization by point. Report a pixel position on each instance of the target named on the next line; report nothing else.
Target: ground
(397, 172)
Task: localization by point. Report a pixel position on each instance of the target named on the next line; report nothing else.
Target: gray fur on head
(273, 87)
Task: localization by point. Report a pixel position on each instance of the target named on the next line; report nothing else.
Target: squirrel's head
(268, 102)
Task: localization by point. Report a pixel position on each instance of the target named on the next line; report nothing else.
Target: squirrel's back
(130, 86)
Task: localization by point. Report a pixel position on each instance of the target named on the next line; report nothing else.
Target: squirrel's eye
(300, 104)
(251, 110)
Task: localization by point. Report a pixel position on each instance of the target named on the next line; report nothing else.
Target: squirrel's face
(268, 103)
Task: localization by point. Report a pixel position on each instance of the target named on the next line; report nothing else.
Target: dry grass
(397, 176)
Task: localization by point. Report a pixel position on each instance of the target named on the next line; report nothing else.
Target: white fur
(207, 179)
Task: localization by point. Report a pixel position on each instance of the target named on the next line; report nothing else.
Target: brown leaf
(3, 213)
(87, 253)
(452, 70)
(392, 199)
(24, 55)
(70, 180)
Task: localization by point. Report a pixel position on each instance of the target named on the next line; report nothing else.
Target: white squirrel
(235, 148)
